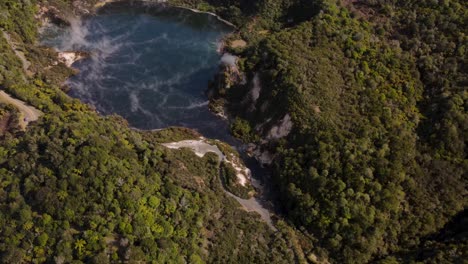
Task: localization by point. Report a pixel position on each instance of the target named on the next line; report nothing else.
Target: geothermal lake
(150, 64)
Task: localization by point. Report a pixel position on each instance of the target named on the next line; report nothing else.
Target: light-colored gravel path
(200, 148)
(29, 113)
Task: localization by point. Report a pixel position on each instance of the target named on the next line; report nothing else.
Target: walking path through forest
(200, 148)
(18, 52)
(29, 113)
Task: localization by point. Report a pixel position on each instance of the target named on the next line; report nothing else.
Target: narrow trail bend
(29, 113)
(200, 148)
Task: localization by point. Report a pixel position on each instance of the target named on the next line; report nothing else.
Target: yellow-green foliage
(375, 163)
(77, 187)
(18, 16)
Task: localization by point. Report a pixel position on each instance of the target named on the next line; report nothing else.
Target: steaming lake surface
(149, 64)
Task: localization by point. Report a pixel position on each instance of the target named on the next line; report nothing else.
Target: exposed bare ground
(238, 43)
(200, 148)
(29, 113)
(18, 53)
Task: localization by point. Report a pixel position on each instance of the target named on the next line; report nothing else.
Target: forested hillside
(77, 187)
(373, 169)
(376, 91)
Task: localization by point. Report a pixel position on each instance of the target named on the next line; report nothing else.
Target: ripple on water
(148, 64)
(152, 67)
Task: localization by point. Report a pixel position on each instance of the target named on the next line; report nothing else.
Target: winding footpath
(200, 148)
(18, 53)
(29, 113)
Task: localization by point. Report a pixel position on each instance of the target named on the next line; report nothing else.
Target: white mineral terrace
(201, 147)
(69, 57)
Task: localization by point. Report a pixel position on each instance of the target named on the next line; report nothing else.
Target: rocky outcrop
(281, 129)
(51, 14)
(70, 57)
(250, 99)
(231, 72)
(228, 77)
(256, 89)
(201, 147)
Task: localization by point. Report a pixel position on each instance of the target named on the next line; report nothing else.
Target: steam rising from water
(151, 66)
(75, 37)
(228, 59)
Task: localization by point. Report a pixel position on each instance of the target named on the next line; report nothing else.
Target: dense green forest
(376, 91)
(77, 187)
(374, 169)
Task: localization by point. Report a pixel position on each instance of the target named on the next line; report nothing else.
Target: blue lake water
(150, 64)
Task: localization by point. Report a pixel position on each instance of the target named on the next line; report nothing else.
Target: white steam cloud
(228, 59)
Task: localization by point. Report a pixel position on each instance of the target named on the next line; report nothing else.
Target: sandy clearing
(238, 43)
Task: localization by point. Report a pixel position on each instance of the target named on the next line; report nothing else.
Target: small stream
(152, 65)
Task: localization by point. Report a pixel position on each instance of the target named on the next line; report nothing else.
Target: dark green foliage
(171, 134)
(10, 69)
(9, 120)
(373, 170)
(376, 159)
(230, 182)
(448, 245)
(241, 129)
(77, 187)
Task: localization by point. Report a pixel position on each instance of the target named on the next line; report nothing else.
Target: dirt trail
(254, 205)
(200, 148)
(19, 53)
(29, 113)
